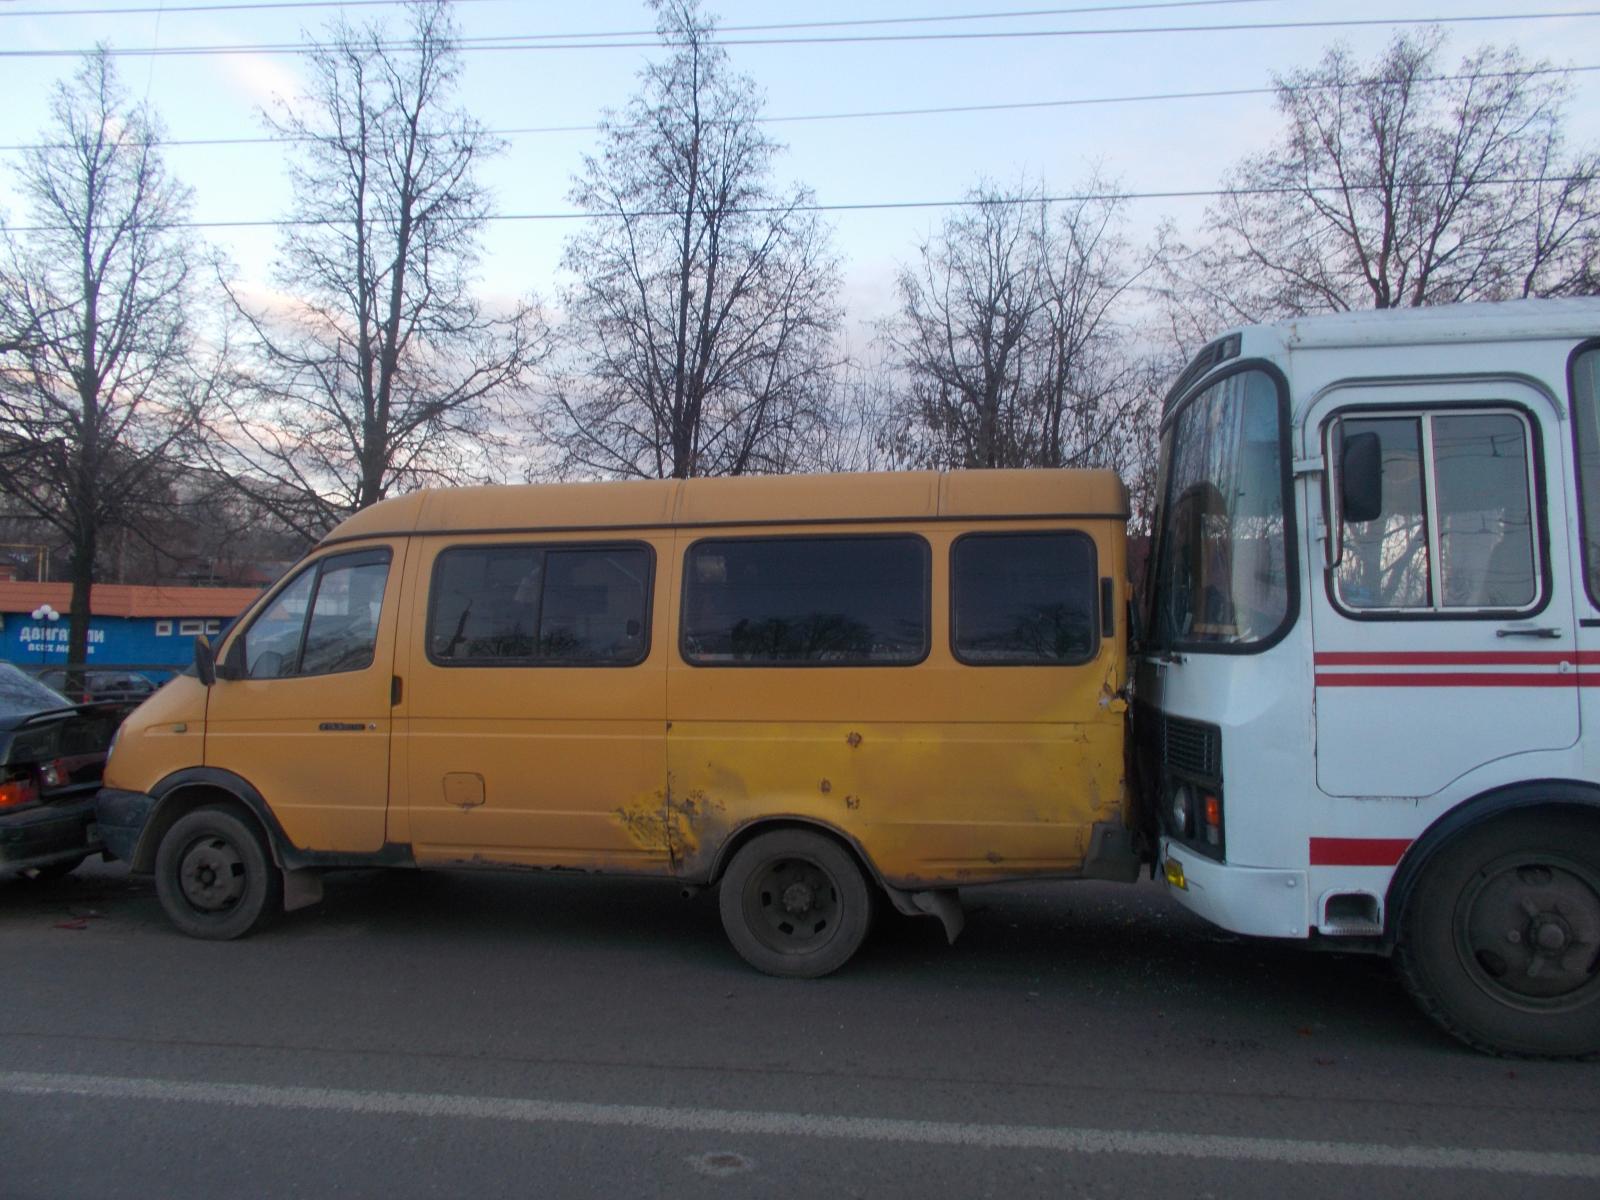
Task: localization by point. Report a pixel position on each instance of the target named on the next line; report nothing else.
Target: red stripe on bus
(1449, 658)
(1357, 852)
(1474, 679)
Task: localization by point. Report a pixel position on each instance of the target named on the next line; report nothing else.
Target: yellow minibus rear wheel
(795, 903)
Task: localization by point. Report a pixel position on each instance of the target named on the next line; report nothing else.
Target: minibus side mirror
(205, 662)
(1361, 477)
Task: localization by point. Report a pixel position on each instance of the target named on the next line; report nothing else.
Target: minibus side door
(534, 711)
(1444, 631)
(300, 709)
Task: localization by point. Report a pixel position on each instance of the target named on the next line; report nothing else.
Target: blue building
(129, 626)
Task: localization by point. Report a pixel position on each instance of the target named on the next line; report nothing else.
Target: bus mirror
(1360, 477)
(205, 663)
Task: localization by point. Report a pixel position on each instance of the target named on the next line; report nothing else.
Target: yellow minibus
(816, 692)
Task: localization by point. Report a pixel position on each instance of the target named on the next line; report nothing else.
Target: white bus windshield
(1221, 574)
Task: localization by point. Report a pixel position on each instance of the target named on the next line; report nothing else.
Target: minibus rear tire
(829, 903)
(215, 876)
(1481, 901)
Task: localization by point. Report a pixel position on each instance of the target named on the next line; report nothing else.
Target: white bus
(1367, 686)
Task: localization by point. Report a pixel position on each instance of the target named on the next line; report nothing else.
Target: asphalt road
(528, 1035)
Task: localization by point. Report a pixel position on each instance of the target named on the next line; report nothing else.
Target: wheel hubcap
(792, 905)
(211, 874)
(1531, 929)
(797, 898)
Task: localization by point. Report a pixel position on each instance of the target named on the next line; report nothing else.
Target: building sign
(52, 639)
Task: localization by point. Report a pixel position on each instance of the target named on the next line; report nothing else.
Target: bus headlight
(1182, 810)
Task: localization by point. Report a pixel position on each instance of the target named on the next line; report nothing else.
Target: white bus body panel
(1346, 741)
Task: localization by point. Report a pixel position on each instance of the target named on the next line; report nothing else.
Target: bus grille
(1187, 745)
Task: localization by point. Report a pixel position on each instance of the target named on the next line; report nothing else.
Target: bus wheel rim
(792, 905)
(1528, 930)
(212, 874)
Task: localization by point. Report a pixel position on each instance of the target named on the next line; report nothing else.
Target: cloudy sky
(879, 58)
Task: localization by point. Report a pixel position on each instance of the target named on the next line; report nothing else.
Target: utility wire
(293, 4)
(880, 206)
(526, 41)
(943, 110)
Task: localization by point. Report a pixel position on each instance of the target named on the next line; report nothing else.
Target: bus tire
(215, 876)
(795, 903)
(1500, 938)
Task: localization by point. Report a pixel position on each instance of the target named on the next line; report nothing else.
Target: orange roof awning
(129, 600)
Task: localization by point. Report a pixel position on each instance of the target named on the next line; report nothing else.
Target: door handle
(1533, 631)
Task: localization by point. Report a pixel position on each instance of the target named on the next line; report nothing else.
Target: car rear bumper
(49, 833)
(122, 817)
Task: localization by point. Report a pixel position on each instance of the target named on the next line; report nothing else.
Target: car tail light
(16, 792)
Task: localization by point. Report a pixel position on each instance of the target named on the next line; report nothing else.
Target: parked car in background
(52, 754)
(100, 685)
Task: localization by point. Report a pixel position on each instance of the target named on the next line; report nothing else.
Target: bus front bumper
(1248, 900)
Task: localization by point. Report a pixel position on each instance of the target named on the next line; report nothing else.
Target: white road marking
(658, 1118)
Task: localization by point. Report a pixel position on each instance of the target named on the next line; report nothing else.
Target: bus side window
(1586, 424)
(1455, 531)
(1385, 560)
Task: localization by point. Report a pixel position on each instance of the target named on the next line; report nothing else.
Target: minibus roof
(746, 500)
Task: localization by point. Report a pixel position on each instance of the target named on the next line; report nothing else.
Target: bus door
(303, 714)
(535, 704)
(1444, 627)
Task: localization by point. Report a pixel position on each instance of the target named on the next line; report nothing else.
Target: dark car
(52, 754)
(101, 685)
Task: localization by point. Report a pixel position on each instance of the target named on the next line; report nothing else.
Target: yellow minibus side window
(324, 622)
(542, 606)
(1020, 599)
(807, 601)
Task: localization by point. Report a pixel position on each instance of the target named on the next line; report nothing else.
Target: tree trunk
(83, 549)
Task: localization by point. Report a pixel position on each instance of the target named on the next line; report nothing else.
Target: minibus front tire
(1498, 940)
(795, 903)
(215, 875)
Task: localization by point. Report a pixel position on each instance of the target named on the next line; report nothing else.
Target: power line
(257, 5)
(167, 10)
(943, 110)
(869, 206)
(510, 42)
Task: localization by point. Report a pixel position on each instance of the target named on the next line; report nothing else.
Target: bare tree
(99, 381)
(1011, 339)
(701, 323)
(1396, 186)
(864, 428)
(966, 309)
(378, 370)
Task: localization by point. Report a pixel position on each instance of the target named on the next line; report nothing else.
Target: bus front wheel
(1500, 939)
(795, 903)
(215, 876)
